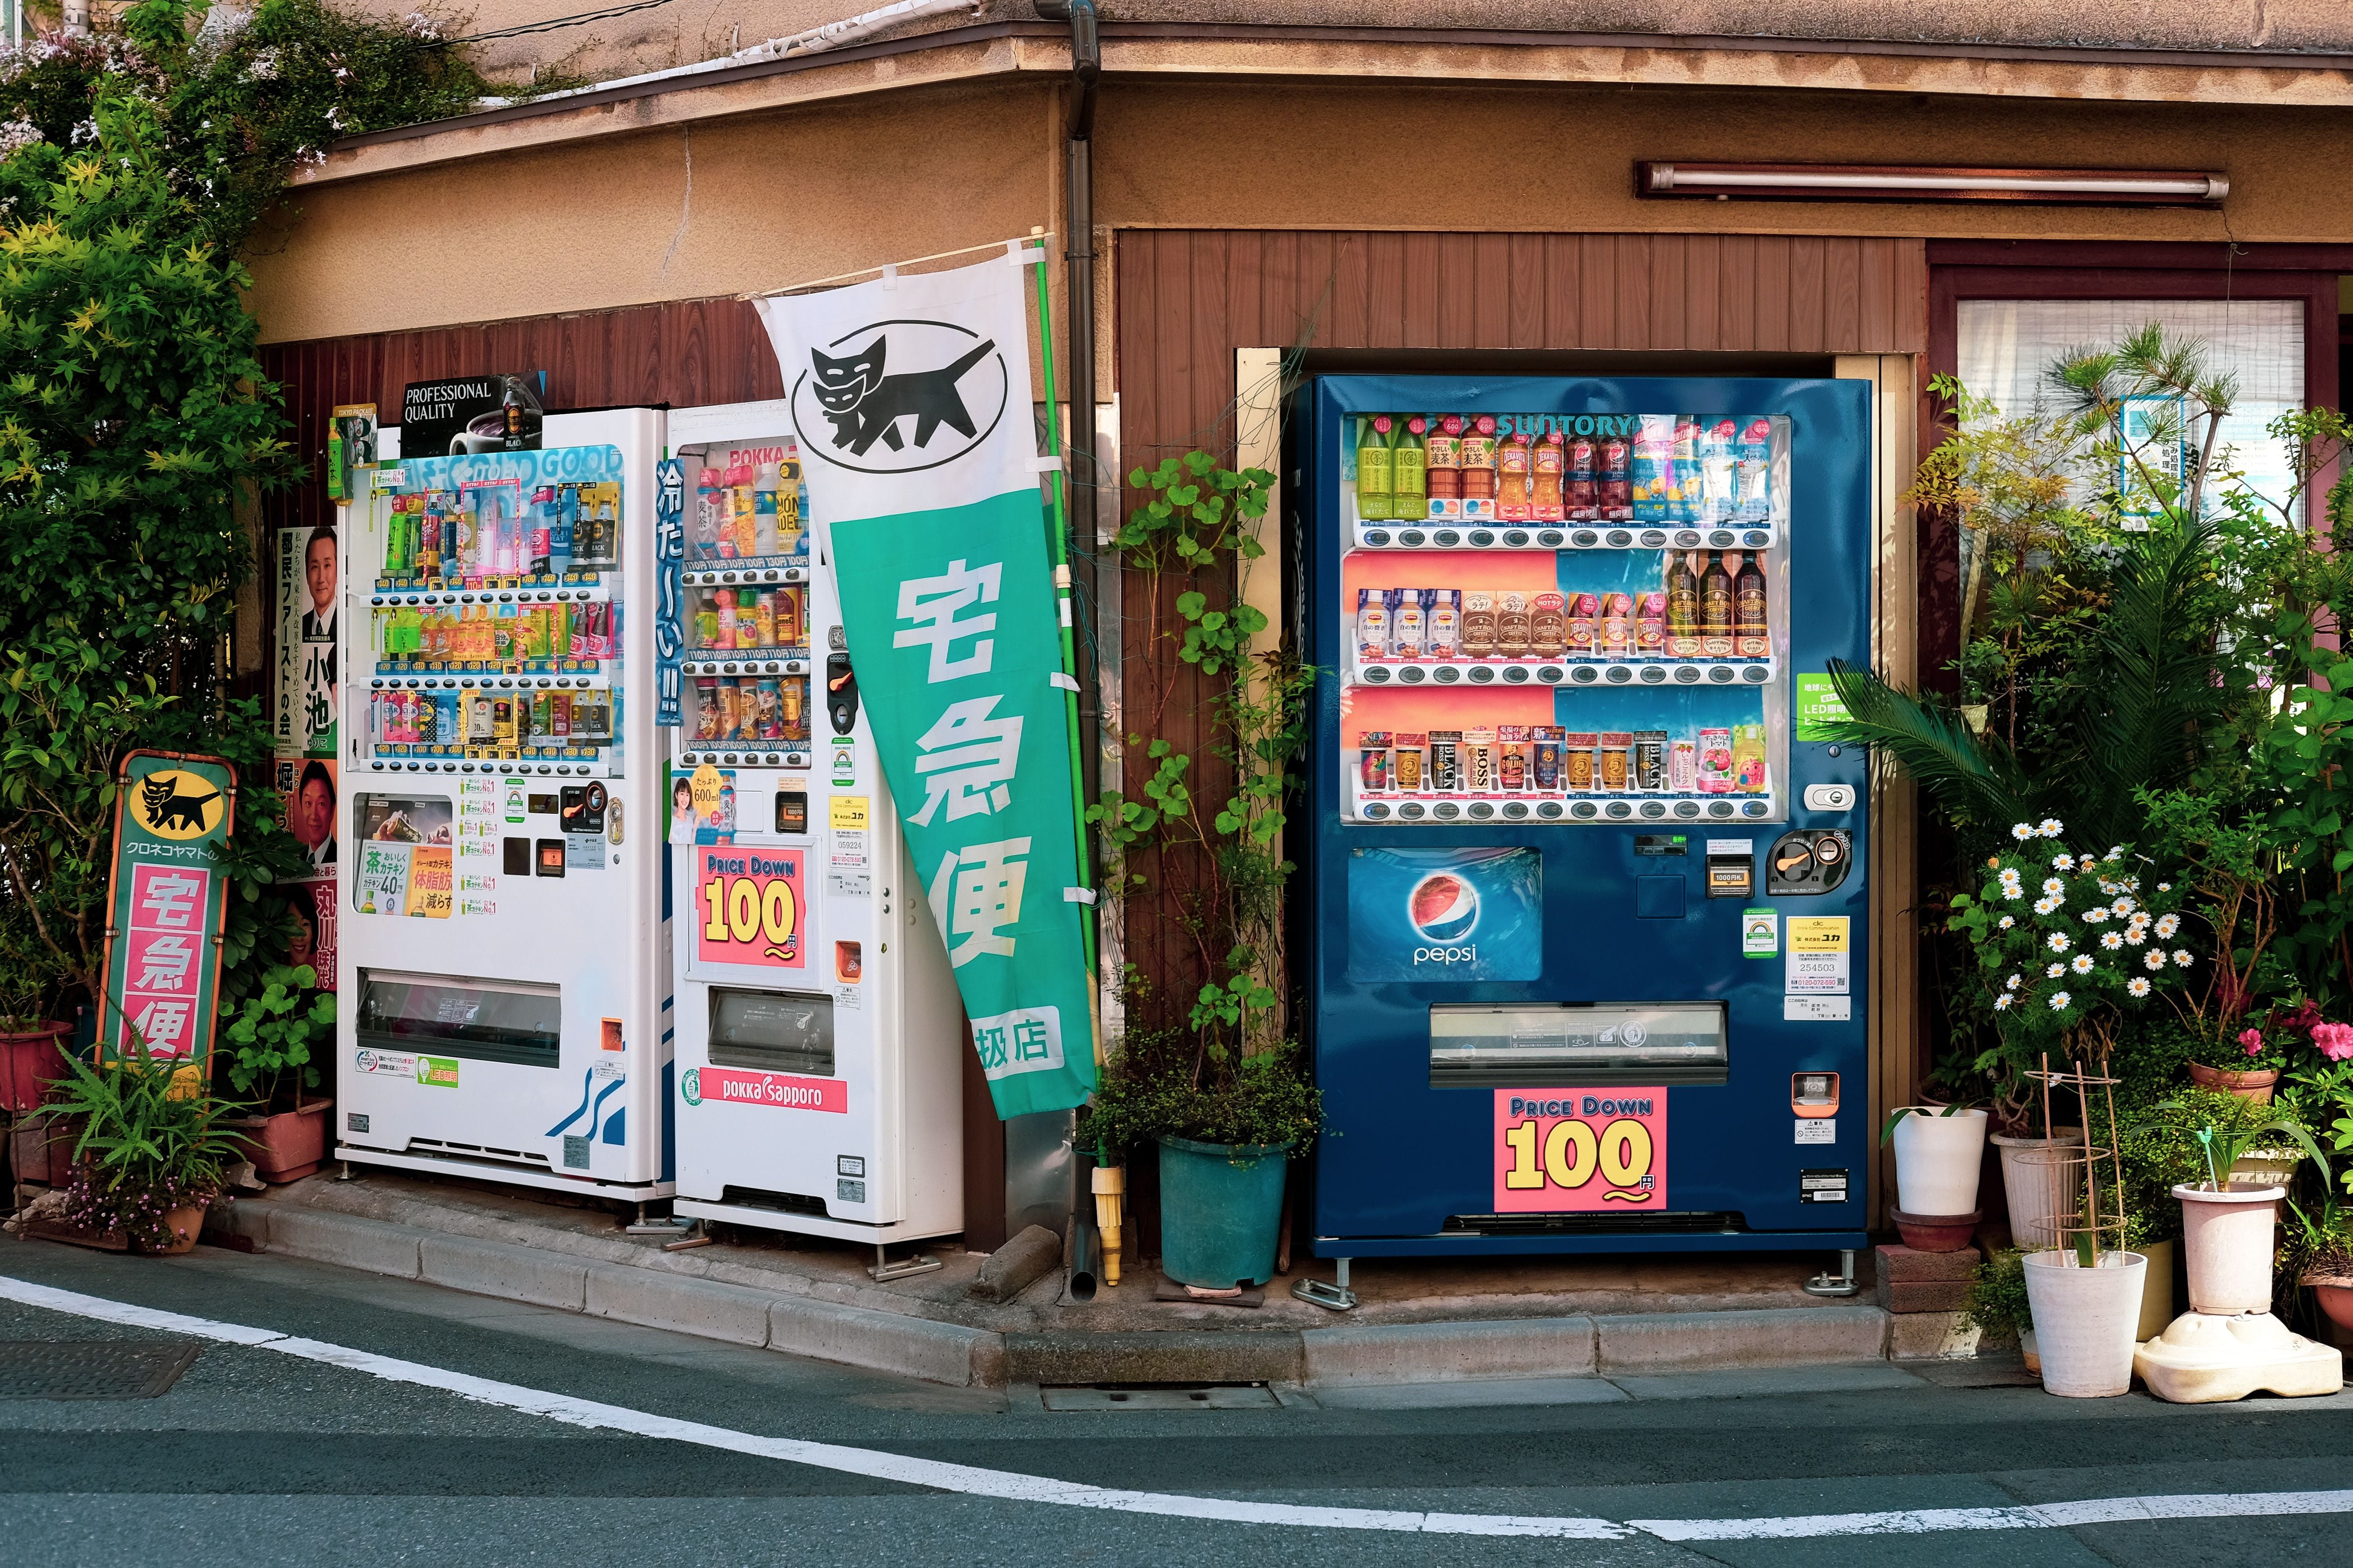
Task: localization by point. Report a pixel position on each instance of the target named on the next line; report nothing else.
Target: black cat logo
(867, 405)
(167, 812)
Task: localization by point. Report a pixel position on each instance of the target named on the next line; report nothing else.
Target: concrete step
(577, 1276)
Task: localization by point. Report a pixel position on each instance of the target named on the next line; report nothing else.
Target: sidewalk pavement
(1420, 1320)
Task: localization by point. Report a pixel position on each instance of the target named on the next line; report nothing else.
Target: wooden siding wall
(1187, 299)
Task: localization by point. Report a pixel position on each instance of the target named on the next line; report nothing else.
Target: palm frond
(1971, 778)
(2154, 680)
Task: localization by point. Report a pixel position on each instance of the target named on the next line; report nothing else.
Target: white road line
(1012, 1486)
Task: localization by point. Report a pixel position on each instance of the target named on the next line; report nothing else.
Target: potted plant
(153, 1152)
(1998, 1307)
(2226, 1228)
(28, 1042)
(2320, 1248)
(1938, 1153)
(1227, 1129)
(273, 1034)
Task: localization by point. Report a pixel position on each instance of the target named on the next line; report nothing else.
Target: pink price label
(1580, 1150)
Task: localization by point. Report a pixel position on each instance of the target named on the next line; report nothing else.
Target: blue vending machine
(1590, 930)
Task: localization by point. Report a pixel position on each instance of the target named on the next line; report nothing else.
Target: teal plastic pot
(1220, 1211)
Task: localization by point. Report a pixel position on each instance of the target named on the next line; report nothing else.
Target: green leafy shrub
(273, 1032)
(1996, 1304)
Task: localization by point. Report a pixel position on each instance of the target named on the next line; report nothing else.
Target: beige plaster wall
(774, 200)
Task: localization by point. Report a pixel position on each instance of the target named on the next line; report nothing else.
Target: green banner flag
(910, 399)
(167, 903)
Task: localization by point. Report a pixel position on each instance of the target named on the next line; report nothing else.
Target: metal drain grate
(90, 1369)
(1227, 1396)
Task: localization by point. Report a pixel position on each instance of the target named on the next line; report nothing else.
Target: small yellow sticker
(849, 812)
(1817, 934)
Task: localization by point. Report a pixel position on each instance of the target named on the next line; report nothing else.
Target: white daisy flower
(2062, 862)
(2053, 886)
(2136, 936)
(2168, 924)
(2082, 964)
(2111, 940)
(2001, 1003)
(2057, 942)
(2139, 919)
(2095, 915)
(2183, 958)
(2006, 923)
(2013, 891)
(2121, 906)
(2055, 972)
(2012, 984)
(2021, 831)
(2044, 906)
(2051, 827)
(2116, 853)
(2085, 864)
(2136, 986)
(2153, 959)
(2058, 1000)
(2165, 886)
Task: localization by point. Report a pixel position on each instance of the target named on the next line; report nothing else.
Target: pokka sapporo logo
(900, 396)
(176, 804)
(1444, 909)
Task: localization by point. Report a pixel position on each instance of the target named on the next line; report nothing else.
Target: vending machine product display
(506, 920)
(820, 1039)
(1591, 933)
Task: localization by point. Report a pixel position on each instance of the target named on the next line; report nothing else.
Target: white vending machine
(502, 870)
(820, 1038)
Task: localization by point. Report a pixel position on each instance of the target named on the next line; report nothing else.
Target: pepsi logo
(1444, 908)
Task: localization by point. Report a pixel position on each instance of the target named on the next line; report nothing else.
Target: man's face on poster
(319, 575)
(315, 814)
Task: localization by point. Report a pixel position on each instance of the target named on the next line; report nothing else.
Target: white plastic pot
(2265, 1167)
(2037, 1183)
(2084, 1319)
(1937, 1160)
(2226, 1245)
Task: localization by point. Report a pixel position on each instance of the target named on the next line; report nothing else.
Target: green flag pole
(1058, 551)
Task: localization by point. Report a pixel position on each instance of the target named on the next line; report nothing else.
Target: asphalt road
(259, 1456)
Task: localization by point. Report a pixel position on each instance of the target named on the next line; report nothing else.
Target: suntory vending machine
(1591, 921)
(820, 1038)
(501, 871)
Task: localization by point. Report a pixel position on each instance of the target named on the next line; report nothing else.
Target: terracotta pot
(2029, 1352)
(1937, 1159)
(289, 1146)
(2335, 1298)
(63, 1135)
(29, 1062)
(2255, 1088)
(185, 1225)
(2226, 1245)
(1936, 1232)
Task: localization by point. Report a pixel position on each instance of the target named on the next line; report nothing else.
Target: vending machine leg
(1335, 1297)
(668, 1224)
(1840, 1284)
(885, 1269)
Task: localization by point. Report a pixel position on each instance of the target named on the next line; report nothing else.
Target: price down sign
(1580, 1150)
(750, 907)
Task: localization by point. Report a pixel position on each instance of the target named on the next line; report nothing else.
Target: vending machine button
(1584, 810)
(1550, 538)
(1515, 809)
(1687, 674)
(1757, 674)
(1585, 675)
(770, 575)
(1516, 674)
(1551, 674)
(1618, 810)
(1480, 675)
(1375, 811)
(1515, 537)
(728, 669)
(1653, 809)
(1375, 675)
(1411, 811)
(1654, 539)
(794, 573)
(1830, 797)
(1449, 536)
(377, 681)
(1687, 808)
(1652, 675)
(1412, 674)
(1412, 536)
(1445, 811)
(1377, 537)
(774, 759)
(1757, 538)
(1550, 808)
(1585, 539)
(1618, 675)
(727, 576)
(1619, 539)
(1722, 539)
(1719, 809)
(1687, 539)
(729, 759)
(1721, 674)
(1755, 809)
(1481, 810)
(793, 667)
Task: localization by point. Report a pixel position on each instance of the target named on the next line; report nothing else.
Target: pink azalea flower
(2335, 1040)
(2253, 1040)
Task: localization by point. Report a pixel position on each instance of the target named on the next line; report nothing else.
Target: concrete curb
(596, 1282)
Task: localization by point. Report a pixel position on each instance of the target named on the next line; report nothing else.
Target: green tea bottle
(1375, 473)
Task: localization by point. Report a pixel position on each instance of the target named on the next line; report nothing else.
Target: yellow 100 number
(741, 908)
(1572, 1152)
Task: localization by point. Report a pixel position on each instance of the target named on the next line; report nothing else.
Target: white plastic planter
(1937, 1160)
(2226, 1246)
(2084, 1319)
(2036, 1185)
